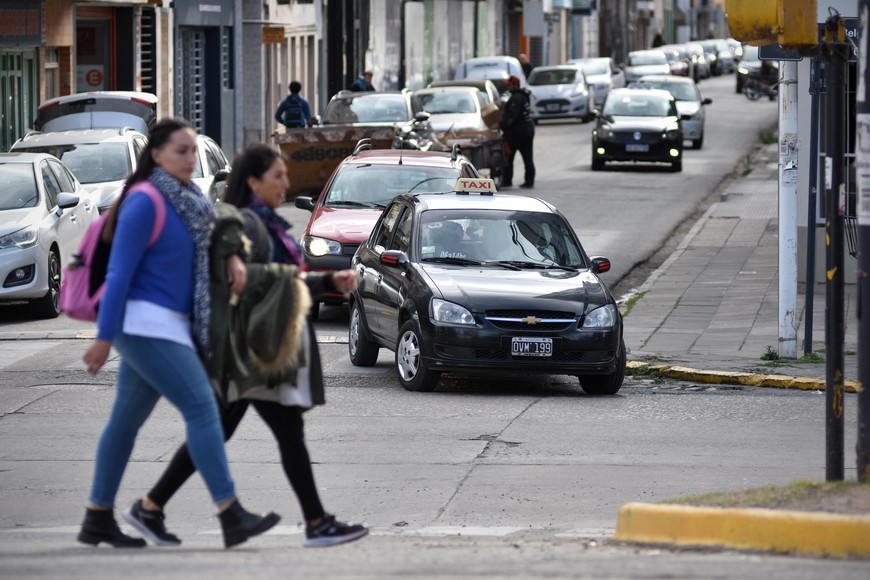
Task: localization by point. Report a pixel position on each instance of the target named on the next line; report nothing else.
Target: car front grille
(349, 249)
(504, 354)
(530, 319)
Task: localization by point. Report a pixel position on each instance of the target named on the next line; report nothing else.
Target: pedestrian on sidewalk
(257, 186)
(294, 112)
(519, 132)
(157, 321)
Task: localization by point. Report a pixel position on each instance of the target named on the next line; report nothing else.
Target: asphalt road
(496, 478)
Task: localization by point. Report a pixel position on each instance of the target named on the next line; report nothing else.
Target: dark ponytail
(160, 134)
(254, 162)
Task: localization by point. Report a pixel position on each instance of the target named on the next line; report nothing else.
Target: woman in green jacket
(257, 186)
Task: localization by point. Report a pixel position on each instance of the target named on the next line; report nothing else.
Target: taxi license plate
(637, 147)
(554, 107)
(525, 346)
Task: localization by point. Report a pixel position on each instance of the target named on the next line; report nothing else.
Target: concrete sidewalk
(709, 314)
(713, 304)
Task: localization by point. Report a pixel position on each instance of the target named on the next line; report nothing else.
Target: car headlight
(450, 313)
(315, 246)
(671, 132)
(23, 238)
(603, 317)
(743, 71)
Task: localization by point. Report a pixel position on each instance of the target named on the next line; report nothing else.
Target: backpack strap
(159, 202)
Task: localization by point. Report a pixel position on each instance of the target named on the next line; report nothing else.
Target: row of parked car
(58, 178)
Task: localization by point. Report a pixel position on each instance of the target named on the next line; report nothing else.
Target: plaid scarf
(198, 215)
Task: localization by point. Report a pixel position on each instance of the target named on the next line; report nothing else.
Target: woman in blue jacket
(155, 311)
(257, 186)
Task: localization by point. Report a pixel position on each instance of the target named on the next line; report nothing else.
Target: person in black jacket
(519, 133)
(257, 187)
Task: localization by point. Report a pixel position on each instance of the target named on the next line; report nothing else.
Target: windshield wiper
(502, 263)
(352, 203)
(521, 264)
(419, 183)
(453, 260)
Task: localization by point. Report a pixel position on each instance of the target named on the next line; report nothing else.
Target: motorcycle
(758, 86)
(417, 134)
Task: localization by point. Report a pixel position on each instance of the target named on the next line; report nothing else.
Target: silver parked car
(44, 212)
(98, 109)
(646, 62)
(690, 105)
(602, 73)
(561, 92)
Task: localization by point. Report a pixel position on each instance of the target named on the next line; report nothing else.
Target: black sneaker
(150, 524)
(331, 532)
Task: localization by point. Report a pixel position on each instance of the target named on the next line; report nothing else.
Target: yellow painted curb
(806, 533)
(736, 378)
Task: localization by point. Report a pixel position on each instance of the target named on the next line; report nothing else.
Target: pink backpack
(83, 281)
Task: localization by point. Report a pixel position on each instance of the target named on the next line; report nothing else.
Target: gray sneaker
(150, 524)
(331, 532)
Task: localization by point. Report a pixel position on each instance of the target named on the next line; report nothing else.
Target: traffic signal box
(790, 23)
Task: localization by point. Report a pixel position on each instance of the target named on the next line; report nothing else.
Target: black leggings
(288, 427)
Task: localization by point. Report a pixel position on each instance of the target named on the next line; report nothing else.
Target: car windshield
(91, 162)
(750, 54)
(639, 105)
(375, 185)
(595, 67)
(446, 102)
(562, 76)
(680, 91)
(17, 186)
(369, 108)
(498, 237)
(646, 58)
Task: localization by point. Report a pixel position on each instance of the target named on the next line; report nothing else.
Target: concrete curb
(637, 368)
(804, 533)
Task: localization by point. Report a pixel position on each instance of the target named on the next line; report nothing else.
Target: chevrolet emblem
(531, 320)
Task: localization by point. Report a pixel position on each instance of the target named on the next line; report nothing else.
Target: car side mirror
(396, 258)
(314, 120)
(221, 175)
(421, 117)
(67, 200)
(600, 264)
(304, 202)
(707, 101)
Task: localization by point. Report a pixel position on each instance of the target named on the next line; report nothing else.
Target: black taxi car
(473, 281)
(638, 124)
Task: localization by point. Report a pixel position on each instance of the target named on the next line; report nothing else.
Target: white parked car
(646, 62)
(98, 109)
(602, 73)
(101, 159)
(561, 92)
(690, 105)
(494, 68)
(44, 212)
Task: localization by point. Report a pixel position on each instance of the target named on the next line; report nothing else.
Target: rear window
(145, 111)
(637, 105)
(438, 103)
(367, 109)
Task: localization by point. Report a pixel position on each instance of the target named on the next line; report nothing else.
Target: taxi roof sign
(466, 185)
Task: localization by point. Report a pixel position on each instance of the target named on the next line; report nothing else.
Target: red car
(359, 189)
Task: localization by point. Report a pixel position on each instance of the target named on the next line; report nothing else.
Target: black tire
(677, 166)
(496, 170)
(752, 91)
(363, 352)
(606, 384)
(698, 143)
(314, 313)
(410, 366)
(49, 305)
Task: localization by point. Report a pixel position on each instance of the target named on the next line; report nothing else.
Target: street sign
(273, 35)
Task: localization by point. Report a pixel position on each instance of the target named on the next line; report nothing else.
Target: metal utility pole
(863, 178)
(835, 53)
(788, 172)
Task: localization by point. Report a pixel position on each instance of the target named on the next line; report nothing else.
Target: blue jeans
(151, 368)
